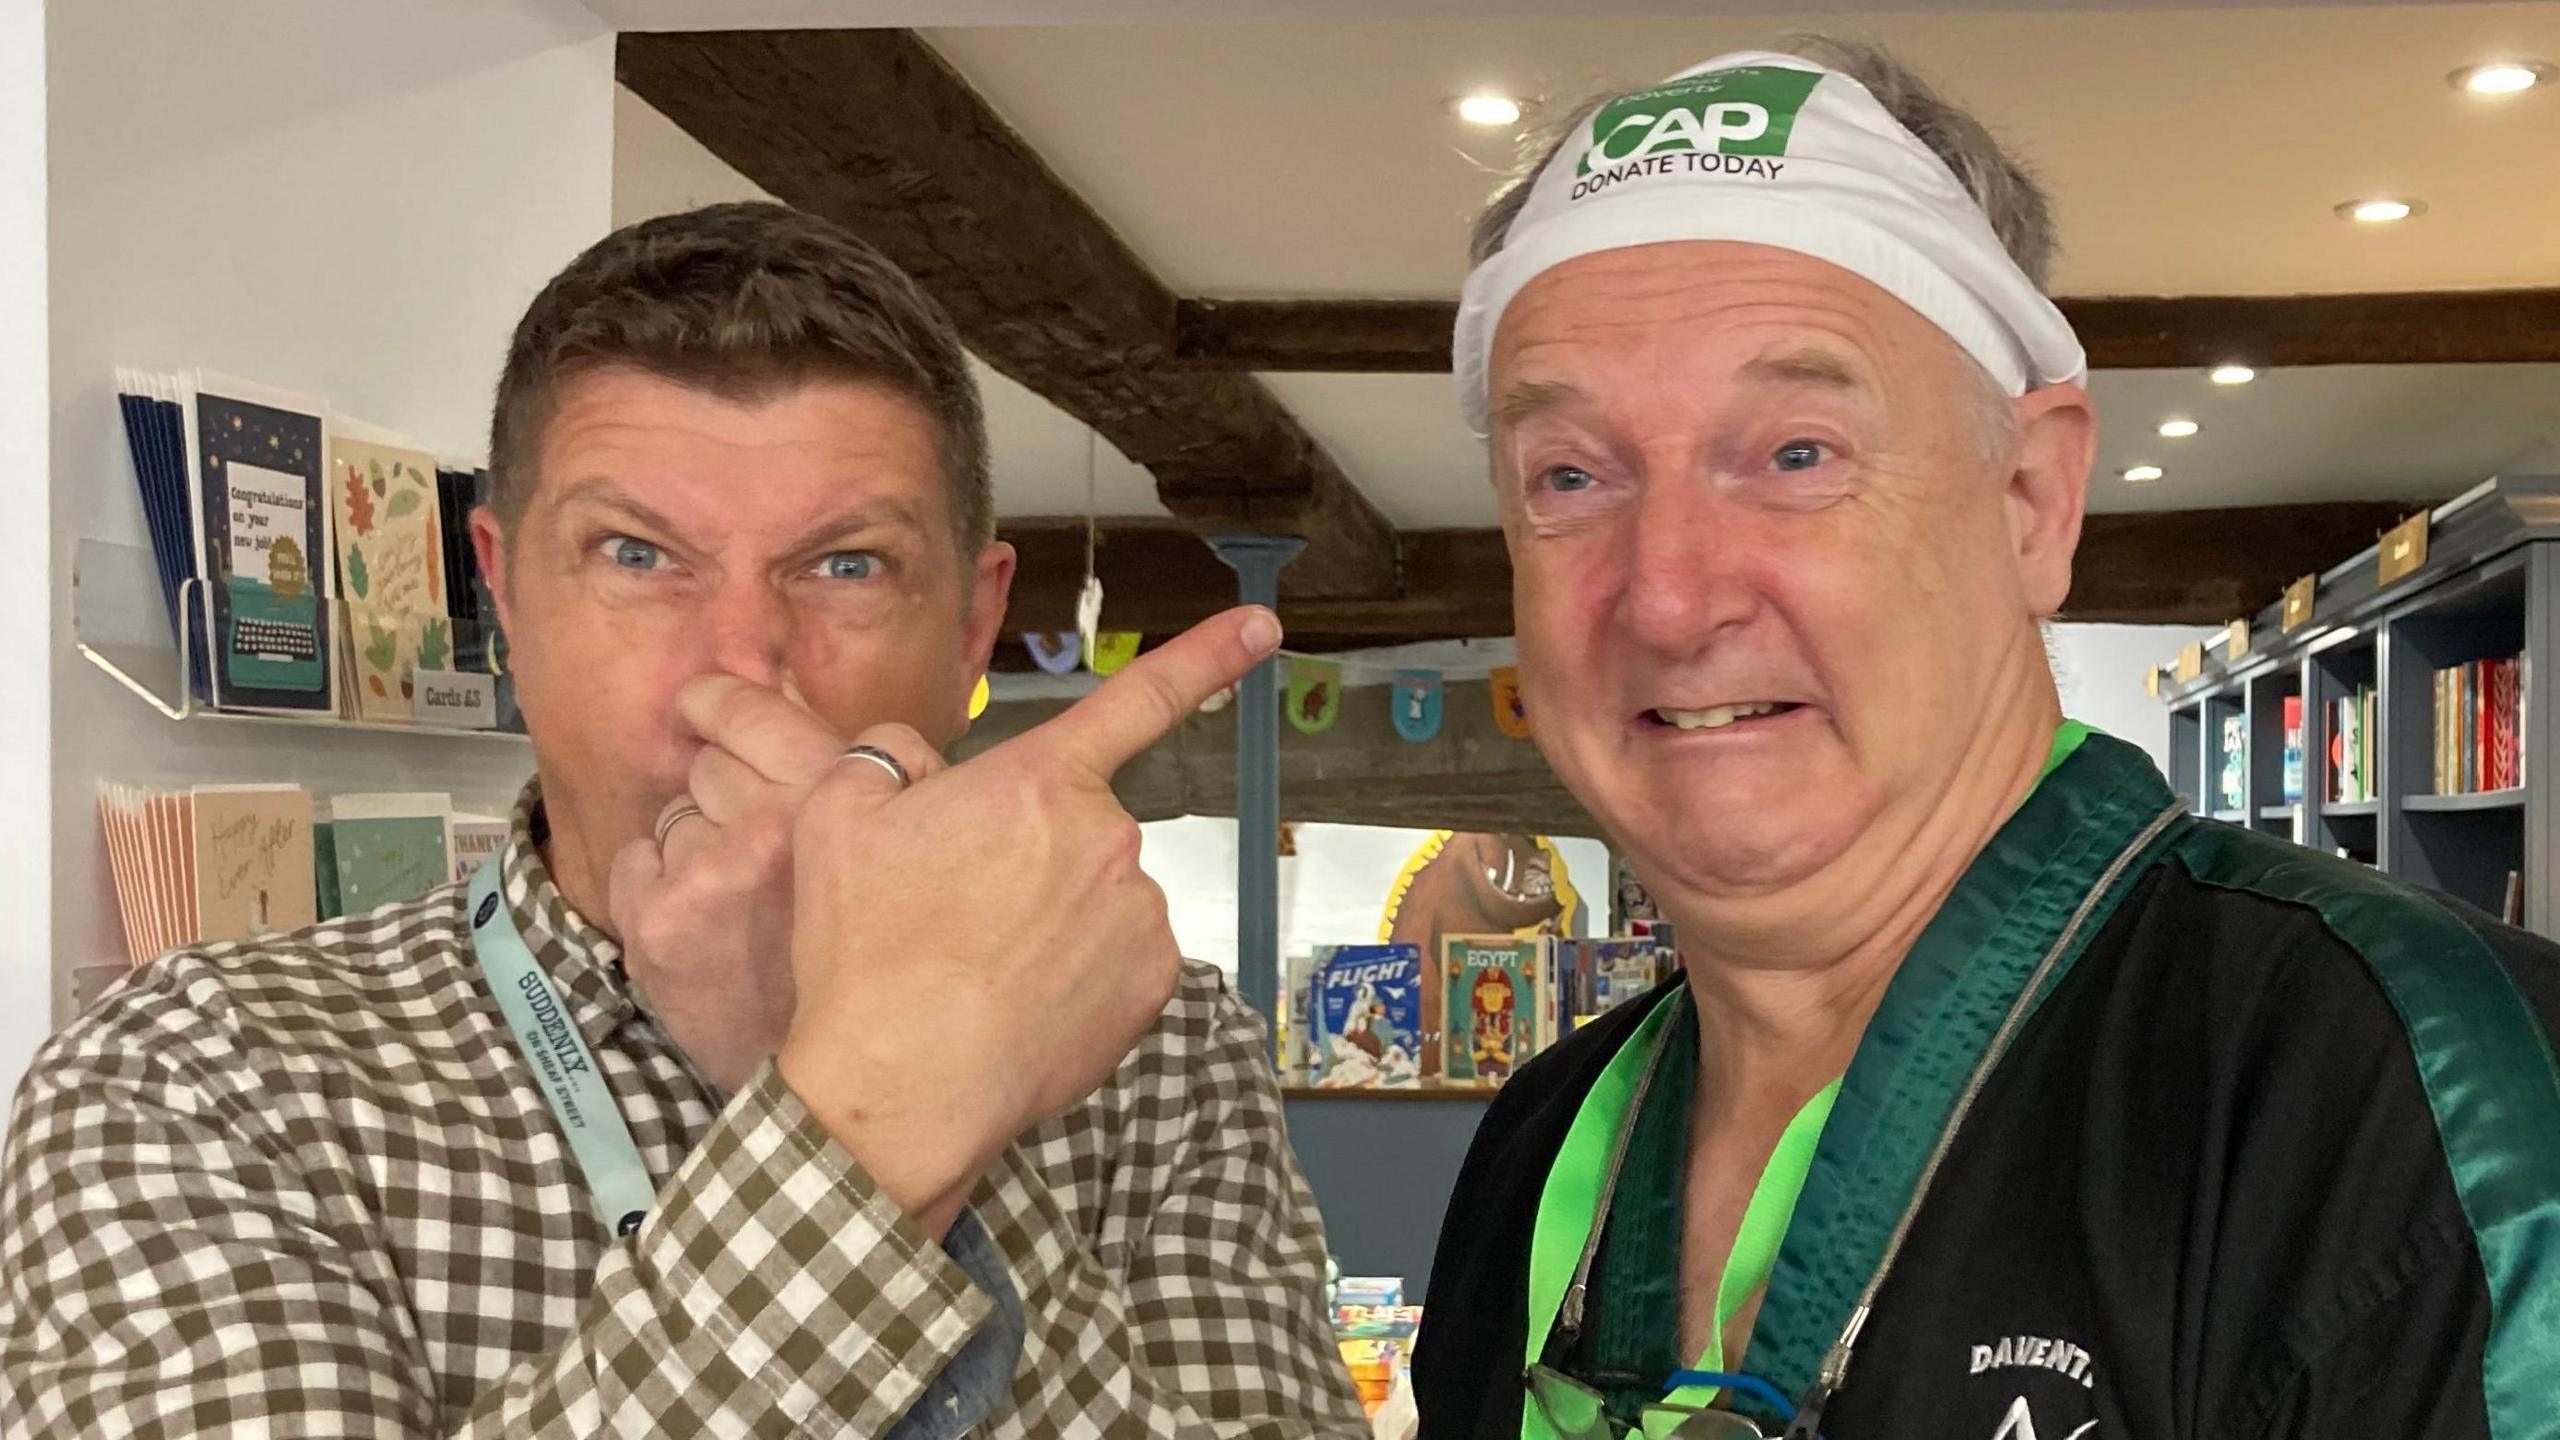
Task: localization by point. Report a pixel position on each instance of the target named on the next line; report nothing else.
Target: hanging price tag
(2190, 662)
(2235, 640)
(2151, 681)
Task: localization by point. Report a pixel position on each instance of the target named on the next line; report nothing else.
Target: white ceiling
(2194, 152)
(1042, 457)
(2181, 159)
(2342, 432)
(820, 14)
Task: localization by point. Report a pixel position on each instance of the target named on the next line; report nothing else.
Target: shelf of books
(1382, 1020)
(2381, 711)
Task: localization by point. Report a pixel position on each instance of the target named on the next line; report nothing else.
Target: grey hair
(2007, 193)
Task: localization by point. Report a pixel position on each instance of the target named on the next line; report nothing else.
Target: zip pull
(1827, 1382)
(1808, 1422)
(1569, 1315)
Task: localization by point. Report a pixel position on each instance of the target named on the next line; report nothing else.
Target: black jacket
(2276, 1154)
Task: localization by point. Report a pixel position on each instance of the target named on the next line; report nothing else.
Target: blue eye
(1567, 479)
(850, 565)
(1799, 455)
(632, 554)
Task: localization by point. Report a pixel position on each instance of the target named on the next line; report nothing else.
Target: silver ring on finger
(881, 758)
(672, 818)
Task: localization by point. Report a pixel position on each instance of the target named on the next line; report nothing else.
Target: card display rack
(2488, 589)
(120, 623)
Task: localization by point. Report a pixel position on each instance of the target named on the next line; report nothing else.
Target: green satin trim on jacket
(1934, 1024)
(2490, 1079)
(1572, 1190)
(2067, 740)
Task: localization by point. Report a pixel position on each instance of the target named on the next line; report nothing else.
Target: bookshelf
(1427, 1090)
(2489, 589)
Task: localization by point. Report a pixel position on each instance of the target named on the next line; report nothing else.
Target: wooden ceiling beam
(2120, 332)
(1158, 579)
(2197, 567)
(2202, 567)
(872, 129)
(1359, 772)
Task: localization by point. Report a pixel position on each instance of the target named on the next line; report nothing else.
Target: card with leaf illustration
(391, 576)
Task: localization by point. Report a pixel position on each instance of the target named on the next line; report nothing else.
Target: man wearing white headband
(2000, 1098)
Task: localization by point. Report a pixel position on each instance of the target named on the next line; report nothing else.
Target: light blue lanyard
(617, 1182)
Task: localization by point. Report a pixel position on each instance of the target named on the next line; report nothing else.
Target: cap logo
(1746, 111)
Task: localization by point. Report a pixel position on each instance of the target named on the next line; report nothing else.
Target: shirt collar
(581, 959)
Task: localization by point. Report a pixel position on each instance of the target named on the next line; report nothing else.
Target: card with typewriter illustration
(262, 529)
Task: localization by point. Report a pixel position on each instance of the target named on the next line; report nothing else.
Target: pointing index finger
(1146, 700)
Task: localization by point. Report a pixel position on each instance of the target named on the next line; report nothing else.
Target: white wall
(2098, 668)
(354, 198)
(26, 773)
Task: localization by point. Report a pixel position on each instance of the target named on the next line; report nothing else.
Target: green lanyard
(617, 1182)
(1570, 1205)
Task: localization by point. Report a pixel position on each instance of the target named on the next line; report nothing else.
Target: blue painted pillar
(1258, 561)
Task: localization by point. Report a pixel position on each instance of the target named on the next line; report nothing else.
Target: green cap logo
(1748, 111)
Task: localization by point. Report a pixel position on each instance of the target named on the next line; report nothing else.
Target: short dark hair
(745, 301)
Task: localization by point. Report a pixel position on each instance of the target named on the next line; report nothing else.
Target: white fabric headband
(1773, 150)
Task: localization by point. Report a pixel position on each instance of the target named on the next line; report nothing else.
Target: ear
(489, 542)
(2048, 490)
(990, 590)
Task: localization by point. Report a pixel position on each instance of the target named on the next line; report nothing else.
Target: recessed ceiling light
(2178, 429)
(2142, 474)
(1487, 110)
(2232, 375)
(2381, 210)
(2502, 77)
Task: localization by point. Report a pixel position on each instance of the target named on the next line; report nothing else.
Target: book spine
(2372, 748)
(2509, 734)
(2477, 715)
(1457, 1058)
(2436, 764)
(2452, 784)
(2470, 728)
(2293, 757)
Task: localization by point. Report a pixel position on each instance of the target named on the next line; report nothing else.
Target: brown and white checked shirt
(307, 1187)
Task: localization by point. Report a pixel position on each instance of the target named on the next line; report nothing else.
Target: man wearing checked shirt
(939, 1132)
